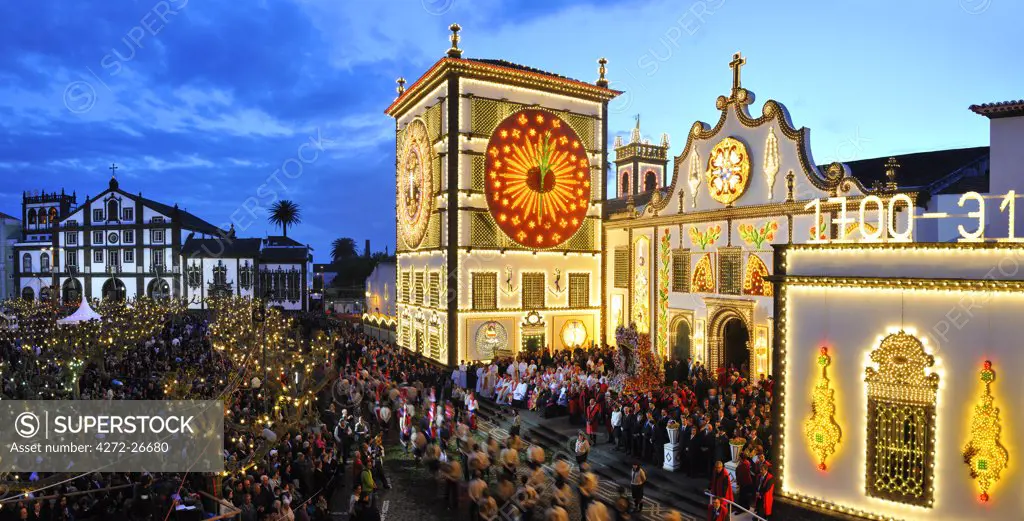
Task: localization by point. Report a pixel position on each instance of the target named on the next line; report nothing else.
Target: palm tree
(343, 248)
(285, 213)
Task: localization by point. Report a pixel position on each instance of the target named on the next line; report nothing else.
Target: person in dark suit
(717, 511)
(638, 434)
(626, 430)
(661, 438)
(648, 433)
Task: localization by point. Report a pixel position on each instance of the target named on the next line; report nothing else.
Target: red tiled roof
(1001, 109)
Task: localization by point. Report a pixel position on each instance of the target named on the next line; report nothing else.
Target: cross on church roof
(113, 169)
(737, 62)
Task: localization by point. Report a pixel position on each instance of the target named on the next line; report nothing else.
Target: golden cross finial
(601, 81)
(737, 62)
(454, 51)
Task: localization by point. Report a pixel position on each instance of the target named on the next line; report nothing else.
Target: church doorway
(71, 291)
(681, 341)
(736, 339)
(113, 289)
(159, 290)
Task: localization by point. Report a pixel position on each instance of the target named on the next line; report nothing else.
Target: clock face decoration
(728, 172)
(415, 183)
(538, 179)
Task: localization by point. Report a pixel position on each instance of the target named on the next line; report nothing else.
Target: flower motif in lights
(415, 183)
(984, 453)
(707, 237)
(538, 179)
(728, 173)
(821, 429)
(757, 236)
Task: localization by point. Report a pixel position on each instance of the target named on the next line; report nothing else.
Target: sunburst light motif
(538, 179)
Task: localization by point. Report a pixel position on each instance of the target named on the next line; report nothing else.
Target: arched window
(31, 215)
(42, 216)
(44, 262)
(53, 215)
(28, 293)
(650, 181)
(112, 211)
(624, 186)
(71, 291)
(26, 263)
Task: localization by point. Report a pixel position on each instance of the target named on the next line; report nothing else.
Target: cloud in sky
(201, 102)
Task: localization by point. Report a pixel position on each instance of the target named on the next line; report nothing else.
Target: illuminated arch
(703, 276)
(754, 282)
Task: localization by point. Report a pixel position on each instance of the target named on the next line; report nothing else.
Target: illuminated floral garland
(984, 453)
(664, 274)
(821, 429)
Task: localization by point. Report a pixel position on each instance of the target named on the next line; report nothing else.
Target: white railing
(731, 505)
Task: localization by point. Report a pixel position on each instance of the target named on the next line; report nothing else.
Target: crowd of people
(385, 396)
(711, 411)
(290, 482)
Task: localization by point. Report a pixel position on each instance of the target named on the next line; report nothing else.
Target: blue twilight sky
(200, 101)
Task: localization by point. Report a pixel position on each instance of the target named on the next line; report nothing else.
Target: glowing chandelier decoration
(822, 431)
(984, 453)
(538, 179)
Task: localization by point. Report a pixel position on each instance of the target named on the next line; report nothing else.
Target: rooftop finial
(113, 169)
(891, 166)
(737, 62)
(634, 137)
(454, 51)
(601, 70)
(401, 85)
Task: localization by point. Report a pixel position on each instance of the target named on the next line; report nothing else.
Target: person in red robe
(745, 480)
(765, 492)
(721, 483)
(717, 511)
(593, 417)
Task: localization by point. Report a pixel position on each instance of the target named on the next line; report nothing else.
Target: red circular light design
(538, 179)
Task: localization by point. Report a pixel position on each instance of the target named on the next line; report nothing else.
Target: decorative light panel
(754, 282)
(415, 183)
(822, 432)
(728, 173)
(703, 276)
(901, 422)
(538, 179)
(491, 337)
(574, 334)
(641, 284)
(771, 161)
(984, 453)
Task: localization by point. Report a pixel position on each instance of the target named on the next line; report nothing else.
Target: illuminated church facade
(881, 294)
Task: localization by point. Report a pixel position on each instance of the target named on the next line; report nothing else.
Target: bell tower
(640, 166)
